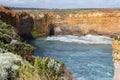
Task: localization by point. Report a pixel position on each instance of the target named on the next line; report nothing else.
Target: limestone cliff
(116, 58)
(42, 24)
(25, 25)
(102, 22)
(81, 22)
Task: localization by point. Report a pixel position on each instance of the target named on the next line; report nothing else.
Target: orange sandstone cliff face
(101, 22)
(79, 22)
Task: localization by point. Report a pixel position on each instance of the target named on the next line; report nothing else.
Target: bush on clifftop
(9, 64)
(10, 41)
(43, 69)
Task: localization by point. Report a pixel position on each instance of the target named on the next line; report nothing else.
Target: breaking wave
(87, 39)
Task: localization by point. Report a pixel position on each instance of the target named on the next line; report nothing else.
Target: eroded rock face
(9, 16)
(116, 59)
(23, 22)
(80, 22)
(98, 22)
(43, 24)
(26, 25)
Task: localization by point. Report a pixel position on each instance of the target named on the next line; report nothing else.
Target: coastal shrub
(7, 33)
(9, 64)
(5, 28)
(35, 34)
(6, 47)
(43, 69)
(22, 49)
(14, 68)
(53, 64)
(3, 50)
(10, 41)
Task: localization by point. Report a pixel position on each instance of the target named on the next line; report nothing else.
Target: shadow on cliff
(22, 22)
(26, 24)
(51, 29)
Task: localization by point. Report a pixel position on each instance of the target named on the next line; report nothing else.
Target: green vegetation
(35, 34)
(40, 70)
(4, 28)
(10, 41)
(17, 61)
(7, 33)
(15, 68)
(9, 64)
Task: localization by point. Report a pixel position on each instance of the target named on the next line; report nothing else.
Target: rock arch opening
(51, 29)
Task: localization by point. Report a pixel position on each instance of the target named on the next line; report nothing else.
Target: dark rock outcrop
(51, 29)
(9, 16)
(26, 25)
(23, 22)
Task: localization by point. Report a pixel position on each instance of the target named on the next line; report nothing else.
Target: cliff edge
(116, 58)
(22, 22)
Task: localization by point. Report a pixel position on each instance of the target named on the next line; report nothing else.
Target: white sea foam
(88, 39)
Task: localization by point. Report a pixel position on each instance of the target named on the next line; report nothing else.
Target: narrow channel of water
(88, 57)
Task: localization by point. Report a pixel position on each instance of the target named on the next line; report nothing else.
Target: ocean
(88, 57)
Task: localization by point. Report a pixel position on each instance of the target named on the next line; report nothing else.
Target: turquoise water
(86, 58)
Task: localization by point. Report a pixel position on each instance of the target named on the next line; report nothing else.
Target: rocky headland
(17, 57)
(81, 22)
(21, 25)
(77, 22)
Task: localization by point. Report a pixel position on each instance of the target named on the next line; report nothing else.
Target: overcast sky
(62, 3)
